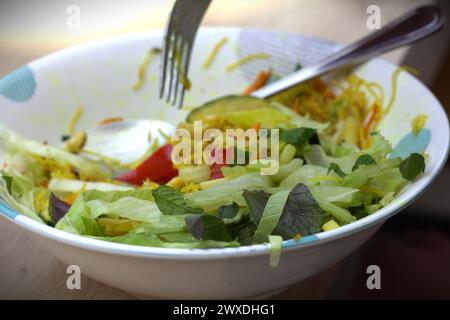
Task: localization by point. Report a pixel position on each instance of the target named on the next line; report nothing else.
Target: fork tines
(184, 21)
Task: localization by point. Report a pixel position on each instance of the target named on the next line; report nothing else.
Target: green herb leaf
(8, 181)
(365, 159)
(256, 201)
(227, 212)
(172, 202)
(298, 136)
(301, 215)
(243, 231)
(334, 167)
(57, 208)
(207, 227)
(412, 166)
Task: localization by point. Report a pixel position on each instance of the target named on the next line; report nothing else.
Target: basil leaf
(207, 227)
(256, 201)
(298, 136)
(314, 139)
(334, 167)
(243, 231)
(227, 212)
(412, 166)
(301, 215)
(8, 181)
(171, 201)
(57, 208)
(365, 159)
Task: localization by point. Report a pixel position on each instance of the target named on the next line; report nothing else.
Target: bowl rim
(372, 220)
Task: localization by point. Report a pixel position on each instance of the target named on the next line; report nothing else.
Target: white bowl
(40, 98)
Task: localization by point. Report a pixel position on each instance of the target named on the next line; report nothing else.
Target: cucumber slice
(227, 104)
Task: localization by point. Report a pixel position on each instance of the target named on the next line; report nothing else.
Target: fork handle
(407, 29)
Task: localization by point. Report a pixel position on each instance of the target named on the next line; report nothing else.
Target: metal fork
(179, 37)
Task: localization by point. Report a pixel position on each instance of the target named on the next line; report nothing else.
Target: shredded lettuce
(80, 220)
(179, 240)
(286, 169)
(340, 214)
(360, 176)
(72, 185)
(126, 207)
(271, 215)
(227, 192)
(86, 168)
(303, 175)
(27, 210)
(340, 196)
(275, 243)
(380, 147)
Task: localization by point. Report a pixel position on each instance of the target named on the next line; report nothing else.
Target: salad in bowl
(189, 203)
(237, 171)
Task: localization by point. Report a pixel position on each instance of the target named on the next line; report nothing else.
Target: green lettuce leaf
(14, 203)
(227, 192)
(342, 215)
(379, 148)
(271, 215)
(303, 176)
(276, 243)
(85, 167)
(127, 207)
(79, 220)
(72, 185)
(315, 155)
(360, 176)
(176, 240)
(340, 196)
(286, 169)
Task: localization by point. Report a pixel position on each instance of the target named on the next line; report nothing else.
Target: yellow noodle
(214, 52)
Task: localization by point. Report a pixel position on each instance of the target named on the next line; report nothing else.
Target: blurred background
(412, 249)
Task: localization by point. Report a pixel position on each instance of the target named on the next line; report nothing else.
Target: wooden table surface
(26, 270)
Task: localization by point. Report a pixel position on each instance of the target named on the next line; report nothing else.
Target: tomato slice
(158, 168)
(216, 173)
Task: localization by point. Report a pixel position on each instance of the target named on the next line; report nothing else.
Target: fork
(179, 37)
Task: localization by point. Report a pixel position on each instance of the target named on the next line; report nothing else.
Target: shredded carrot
(109, 121)
(73, 121)
(71, 199)
(373, 117)
(214, 52)
(260, 81)
(246, 59)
